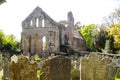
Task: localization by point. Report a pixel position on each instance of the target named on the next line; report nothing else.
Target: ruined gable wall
(36, 26)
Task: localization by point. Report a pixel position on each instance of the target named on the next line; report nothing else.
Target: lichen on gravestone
(113, 69)
(93, 67)
(23, 70)
(118, 73)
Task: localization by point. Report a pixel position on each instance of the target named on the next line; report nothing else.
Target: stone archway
(44, 44)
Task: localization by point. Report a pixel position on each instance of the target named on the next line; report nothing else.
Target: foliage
(99, 39)
(2, 1)
(113, 22)
(8, 43)
(88, 32)
(115, 32)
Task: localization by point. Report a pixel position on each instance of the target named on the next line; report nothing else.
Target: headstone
(118, 73)
(58, 68)
(94, 67)
(14, 58)
(1, 66)
(6, 68)
(1, 62)
(23, 70)
(113, 70)
(45, 70)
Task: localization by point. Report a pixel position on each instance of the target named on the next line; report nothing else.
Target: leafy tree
(2, 38)
(88, 32)
(99, 39)
(115, 32)
(2, 1)
(8, 43)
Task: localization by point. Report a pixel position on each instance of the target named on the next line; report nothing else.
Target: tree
(88, 32)
(99, 39)
(8, 43)
(2, 38)
(111, 19)
(2, 1)
(113, 22)
(115, 32)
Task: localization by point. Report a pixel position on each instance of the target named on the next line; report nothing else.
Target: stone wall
(36, 26)
(39, 25)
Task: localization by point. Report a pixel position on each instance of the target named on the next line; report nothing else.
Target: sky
(13, 12)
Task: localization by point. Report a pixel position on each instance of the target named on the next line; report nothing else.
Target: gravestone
(14, 58)
(23, 70)
(113, 70)
(1, 66)
(118, 73)
(1, 62)
(45, 70)
(58, 68)
(94, 67)
(6, 68)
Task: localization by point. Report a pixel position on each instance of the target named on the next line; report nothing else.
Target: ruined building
(41, 34)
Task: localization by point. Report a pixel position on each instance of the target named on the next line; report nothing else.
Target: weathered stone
(113, 70)
(1, 66)
(6, 68)
(58, 68)
(45, 70)
(75, 74)
(23, 70)
(39, 25)
(14, 58)
(93, 67)
(1, 62)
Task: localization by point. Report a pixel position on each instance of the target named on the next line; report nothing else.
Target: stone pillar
(40, 45)
(40, 22)
(47, 44)
(34, 22)
(32, 44)
(27, 44)
(23, 42)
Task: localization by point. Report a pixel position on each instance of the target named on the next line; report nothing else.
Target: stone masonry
(41, 34)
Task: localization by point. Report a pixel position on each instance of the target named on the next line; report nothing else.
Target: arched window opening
(43, 43)
(43, 23)
(31, 23)
(37, 22)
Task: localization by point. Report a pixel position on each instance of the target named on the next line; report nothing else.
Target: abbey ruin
(41, 34)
